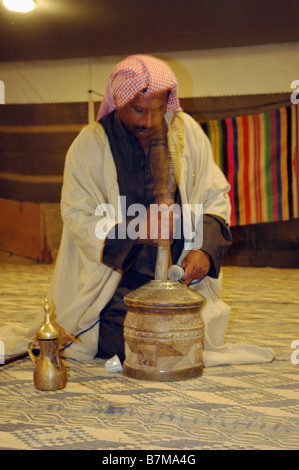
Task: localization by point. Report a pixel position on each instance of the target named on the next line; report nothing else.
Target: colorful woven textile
(259, 155)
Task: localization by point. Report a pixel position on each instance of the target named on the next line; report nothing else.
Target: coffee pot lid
(48, 330)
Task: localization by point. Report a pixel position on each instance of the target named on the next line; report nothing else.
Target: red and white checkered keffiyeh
(139, 74)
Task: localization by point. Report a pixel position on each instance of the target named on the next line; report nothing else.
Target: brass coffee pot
(50, 372)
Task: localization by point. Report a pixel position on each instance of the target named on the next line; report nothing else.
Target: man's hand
(196, 265)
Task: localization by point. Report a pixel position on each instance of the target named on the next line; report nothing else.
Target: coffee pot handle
(31, 346)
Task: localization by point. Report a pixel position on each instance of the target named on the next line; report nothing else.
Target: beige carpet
(228, 407)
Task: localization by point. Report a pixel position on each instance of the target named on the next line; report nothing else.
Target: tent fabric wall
(226, 71)
(34, 140)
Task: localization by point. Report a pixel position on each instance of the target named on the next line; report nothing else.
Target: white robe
(82, 285)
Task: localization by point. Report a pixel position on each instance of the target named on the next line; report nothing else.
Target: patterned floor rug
(244, 407)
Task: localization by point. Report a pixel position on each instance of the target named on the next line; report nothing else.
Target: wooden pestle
(164, 190)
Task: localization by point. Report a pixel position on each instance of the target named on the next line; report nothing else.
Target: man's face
(144, 114)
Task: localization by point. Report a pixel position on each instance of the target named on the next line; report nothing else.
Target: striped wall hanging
(259, 155)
